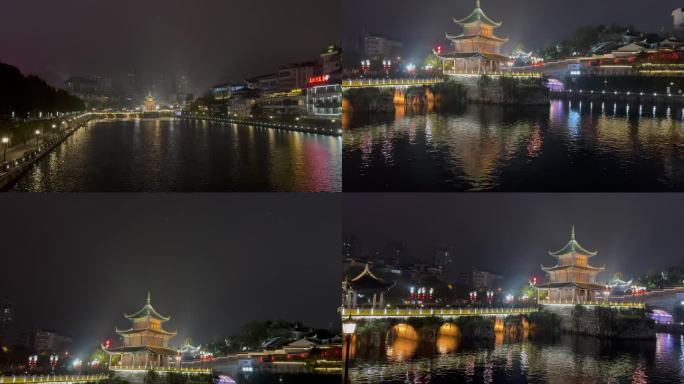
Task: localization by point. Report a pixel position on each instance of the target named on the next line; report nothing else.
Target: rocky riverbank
(623, 323)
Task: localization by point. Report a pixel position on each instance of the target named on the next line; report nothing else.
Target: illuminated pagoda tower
(572, 279)
(367, 287)
(146, 343)
(477, 49)
(150, 105)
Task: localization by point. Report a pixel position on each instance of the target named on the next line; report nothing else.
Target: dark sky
(512, 233)
(76, 263)
(422, 24)
(212, 40)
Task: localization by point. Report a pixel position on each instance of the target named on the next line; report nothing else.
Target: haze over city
(533, 23)
(212, 42)
(512, 233)
(212, 262)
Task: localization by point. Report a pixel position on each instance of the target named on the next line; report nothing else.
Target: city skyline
(422, 27)
(206, 42)
(212, 263)
(485, 230)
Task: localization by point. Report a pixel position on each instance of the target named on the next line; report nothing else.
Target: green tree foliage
(582, 40)
(151, 377)
(29, 94)
(175, 378)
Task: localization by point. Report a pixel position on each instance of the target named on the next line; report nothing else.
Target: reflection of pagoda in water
(477, 49)
(572, 279)
(150, 105)
(146, 342)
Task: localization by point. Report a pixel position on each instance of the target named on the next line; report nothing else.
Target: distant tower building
(49, 341)
(150, 105)
(443, 256)
(477, 49)
(572, 279)
(678, 21)
(379, 46)
(6, 319)
(678, 18)
(350, 247)
(146, 343)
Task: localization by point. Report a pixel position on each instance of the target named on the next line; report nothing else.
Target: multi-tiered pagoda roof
(146, 334)
(572, 267)
(367, 282)
(476, 44)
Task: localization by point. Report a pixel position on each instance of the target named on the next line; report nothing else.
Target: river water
(563, 360)
(563, 147)
(157, 155)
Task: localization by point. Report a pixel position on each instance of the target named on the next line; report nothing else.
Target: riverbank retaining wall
(504, 90)
(8, 178)
(603, 322)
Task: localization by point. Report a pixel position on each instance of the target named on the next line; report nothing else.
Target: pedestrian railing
(51, 378)
(522, 75)
(597, 303)
(160, 369)
(369, 83)
(433, 312)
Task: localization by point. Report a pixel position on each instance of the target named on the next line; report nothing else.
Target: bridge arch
(499, 324)
(449, 329)
(405, 331)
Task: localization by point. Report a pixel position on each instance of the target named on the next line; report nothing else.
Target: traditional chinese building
(476, 49)
(365, 289)
(150, 105)
(145, 344)
(572, 279)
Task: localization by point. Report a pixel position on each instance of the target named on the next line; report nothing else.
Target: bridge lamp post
(348, 329)
(37, 135)
(5, 140)
(53, 362)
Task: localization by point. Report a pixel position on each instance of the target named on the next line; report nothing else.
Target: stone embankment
(623, 323)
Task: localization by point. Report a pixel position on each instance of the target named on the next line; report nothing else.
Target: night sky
(212, 40)
(534, 23)
(76, 263)
(512, 233)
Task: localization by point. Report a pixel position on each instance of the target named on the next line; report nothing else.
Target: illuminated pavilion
(572, 279)
(476, 50)
(367, 288)
(150, 105)
(146, 343)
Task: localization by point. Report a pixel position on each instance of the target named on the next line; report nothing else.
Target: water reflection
(196, 155)
(402, 349)
(562, 360)
(565, 147)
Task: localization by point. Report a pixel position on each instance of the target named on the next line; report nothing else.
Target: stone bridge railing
(192, 370)
(377, 83)
(371, 313)
(596, 303)
(51, 378)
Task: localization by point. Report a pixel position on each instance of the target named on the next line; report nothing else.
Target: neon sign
(319, 79)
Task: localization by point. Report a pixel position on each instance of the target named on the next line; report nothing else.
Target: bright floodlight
(5, 140)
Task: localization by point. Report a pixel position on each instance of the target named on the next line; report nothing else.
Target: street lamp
(348, 329)
(5, 140)
(37, 134)
(53, 361)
